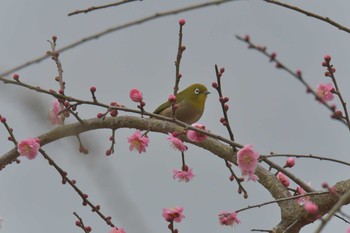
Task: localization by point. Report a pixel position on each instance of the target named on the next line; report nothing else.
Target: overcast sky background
(268, 108)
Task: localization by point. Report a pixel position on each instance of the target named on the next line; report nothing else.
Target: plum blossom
(311, 207)
(290, 162)
(53, 116)
(29, 147)
(183, 175)
(172, 98)
(324, 91)
(138, 142)
(247, 160)
(173, 214)
(283, 179)
(228, 218)
(177, 143)
(304, 199)
(195, 136)
(136, 95)
(115, 230)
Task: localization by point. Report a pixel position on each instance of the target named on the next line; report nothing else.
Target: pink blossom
(115, 230)
(304, 199)
(183, 175)
(228, 218)
(136, 95)
(290, 162)
(173, 214)
(194, 136)
(324, 91)
(172, 98)
(177, 143)
(348, 230)
(138, 142)
(283, 179)
(53, 116)
(311, 207)
(29, 147)
(247, 160)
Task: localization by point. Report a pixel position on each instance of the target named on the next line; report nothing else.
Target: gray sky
(268, 108)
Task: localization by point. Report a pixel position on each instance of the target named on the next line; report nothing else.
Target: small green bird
(189, 104)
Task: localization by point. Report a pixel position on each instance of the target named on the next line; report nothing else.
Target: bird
(189, 104)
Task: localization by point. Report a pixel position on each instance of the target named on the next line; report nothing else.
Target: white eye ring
(197, 91)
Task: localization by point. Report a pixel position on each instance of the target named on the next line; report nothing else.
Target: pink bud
(247, 38)
(113, 112)
(311, 207)
(325, 185)
(3, 119)
(273, 56)
(136, 95)
(16, 77)
(182, 22)
(172, 98)
(222, 70)
(290, 162)
(93, 89)
(226, 107)
(279, 65)
(327, 58)
(214, 85)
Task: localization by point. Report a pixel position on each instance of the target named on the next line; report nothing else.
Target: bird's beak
(207, 92)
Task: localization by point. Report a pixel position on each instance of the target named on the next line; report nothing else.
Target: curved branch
(92, 8)
(293, 216)
(310, 14)
(117, 28)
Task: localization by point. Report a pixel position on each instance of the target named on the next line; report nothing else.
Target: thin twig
(65, 179)
(298, 181)
(282, 199)
(342, 200)
(330, 73)
(117, 28)
(79, 223)
(101, 7)
(310, 156)
(297, 74)
(310, 14)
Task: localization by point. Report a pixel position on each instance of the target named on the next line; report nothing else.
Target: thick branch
(293, 216)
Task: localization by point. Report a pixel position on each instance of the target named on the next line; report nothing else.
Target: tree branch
(117, 28)
(310, 14)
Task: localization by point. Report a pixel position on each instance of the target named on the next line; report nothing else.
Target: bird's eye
(197, 91)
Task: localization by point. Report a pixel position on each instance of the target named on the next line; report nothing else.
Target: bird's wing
(165, 106)
(162, 107)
